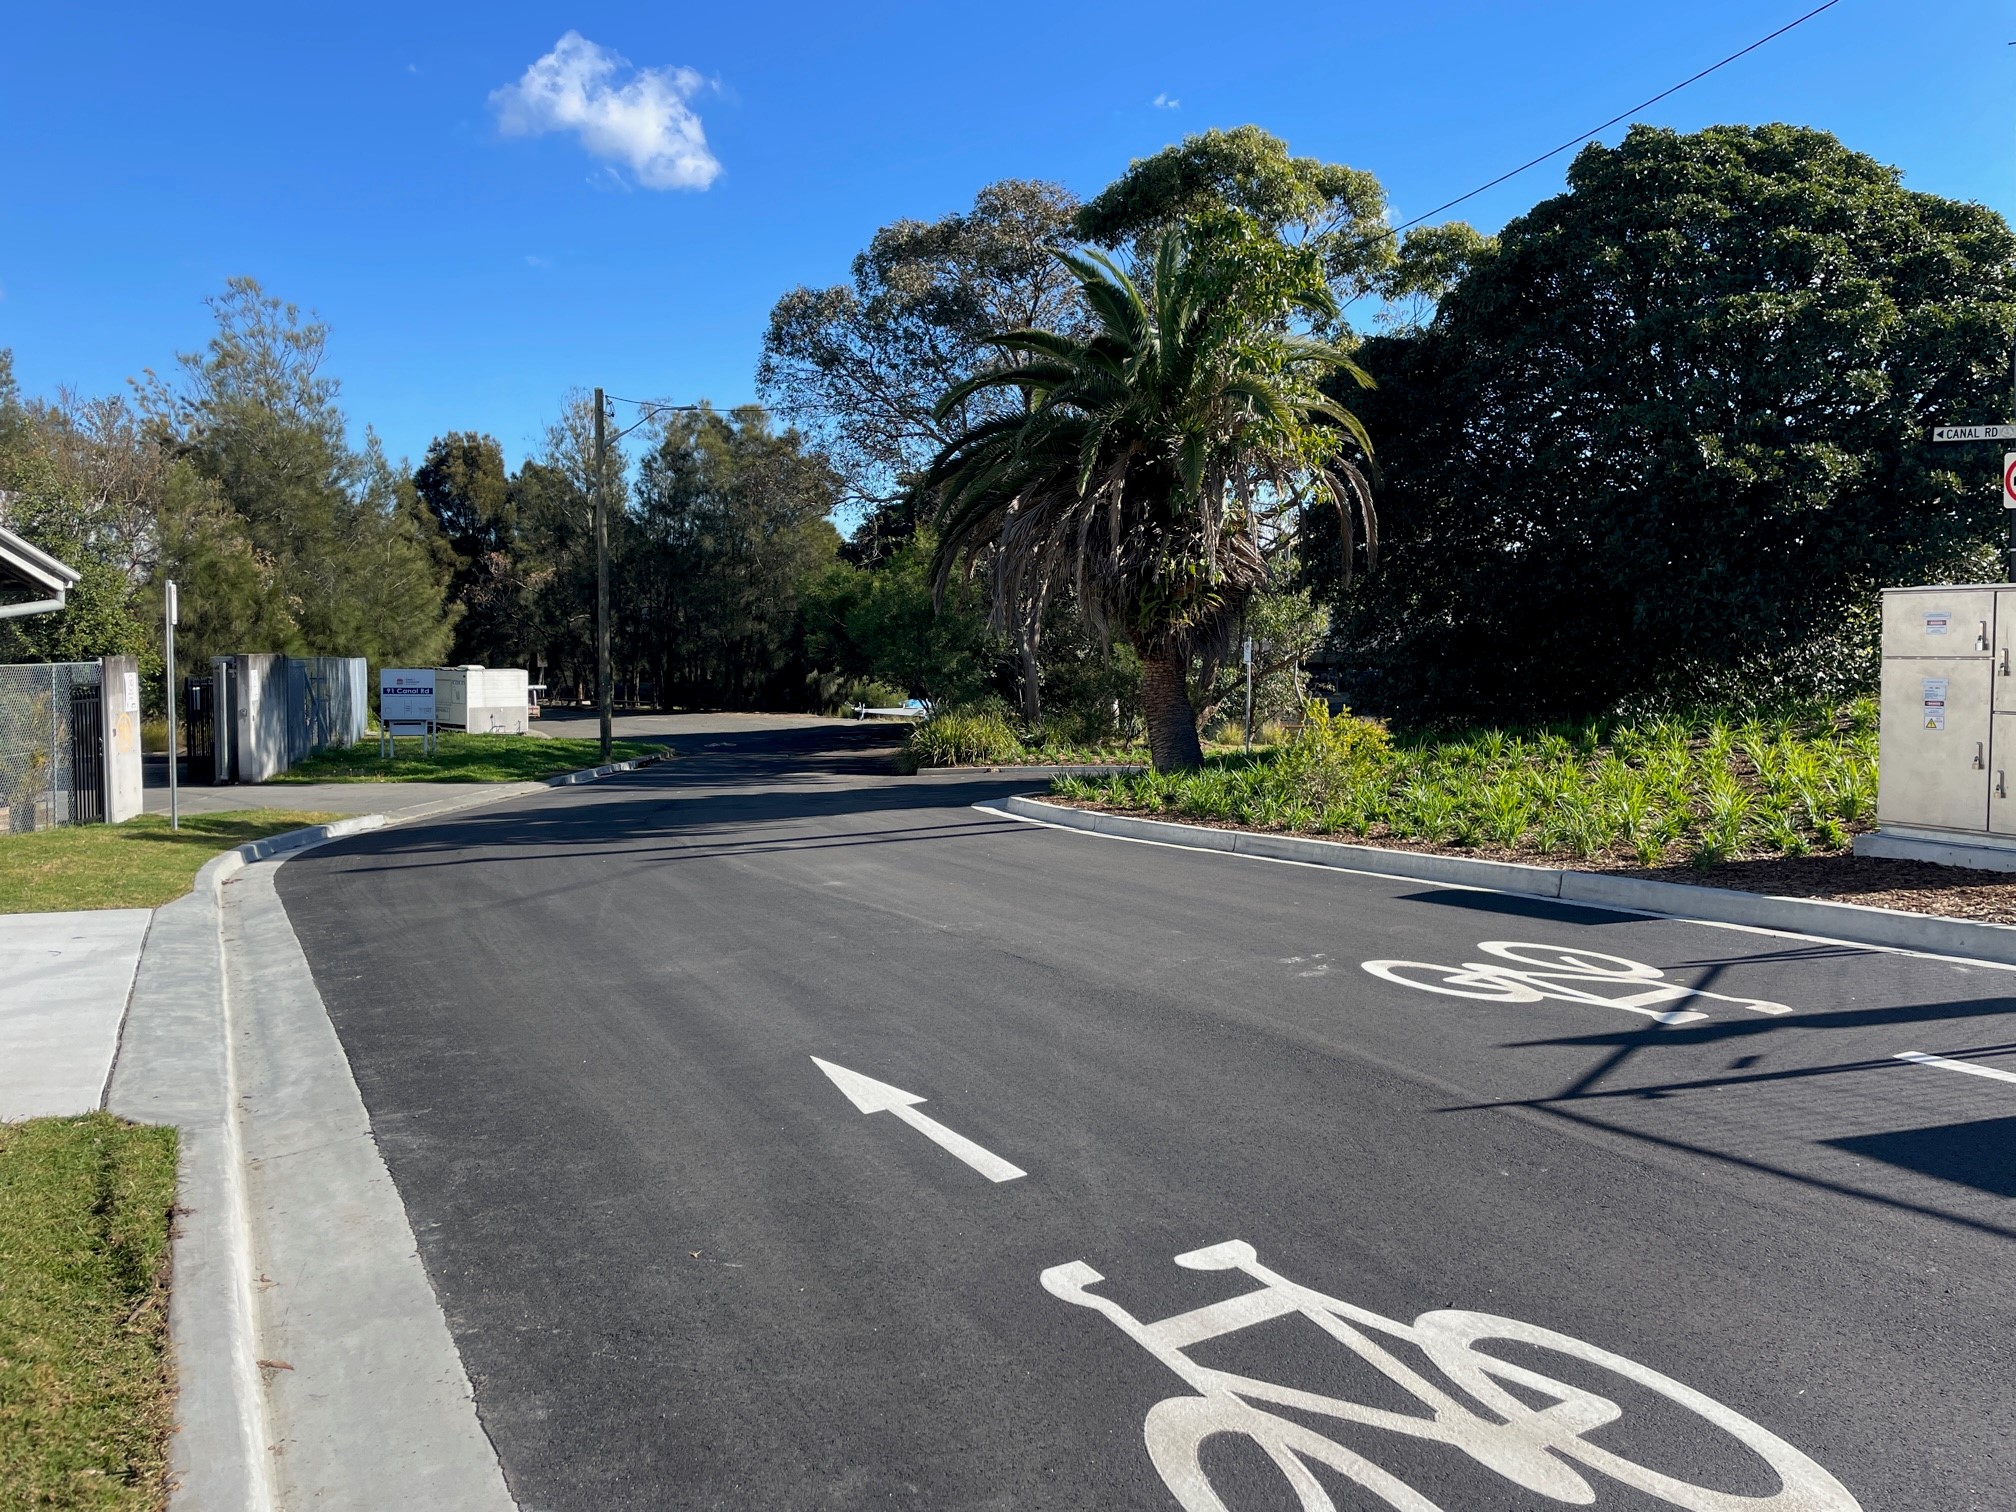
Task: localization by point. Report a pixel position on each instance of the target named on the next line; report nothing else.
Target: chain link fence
(48, 717)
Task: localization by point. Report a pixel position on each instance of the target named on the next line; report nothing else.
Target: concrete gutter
(1843, 923)
(175, 1066)
(224, 1014)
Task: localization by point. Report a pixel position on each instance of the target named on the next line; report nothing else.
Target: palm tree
(1157, 463)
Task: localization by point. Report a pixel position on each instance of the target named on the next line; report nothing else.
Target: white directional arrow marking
(872, 1096)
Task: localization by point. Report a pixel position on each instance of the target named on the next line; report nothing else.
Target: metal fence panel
(38, 725)
(325, 703)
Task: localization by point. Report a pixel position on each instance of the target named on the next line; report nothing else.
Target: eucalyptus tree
(1154, 463)
(861, 365)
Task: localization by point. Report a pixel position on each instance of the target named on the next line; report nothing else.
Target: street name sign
(1974, 433)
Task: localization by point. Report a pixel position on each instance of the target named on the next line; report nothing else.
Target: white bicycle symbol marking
(1531, 1447)
(1552, 971)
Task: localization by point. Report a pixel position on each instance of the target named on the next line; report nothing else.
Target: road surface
(1534, 1206)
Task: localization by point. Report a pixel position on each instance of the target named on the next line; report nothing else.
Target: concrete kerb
(177, 1064)
(1841, 923)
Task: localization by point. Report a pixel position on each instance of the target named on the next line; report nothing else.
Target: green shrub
(1713, 786)
(963, 737)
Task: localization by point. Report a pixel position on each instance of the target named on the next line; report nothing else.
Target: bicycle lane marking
(1555, 975)
(1531, 1447)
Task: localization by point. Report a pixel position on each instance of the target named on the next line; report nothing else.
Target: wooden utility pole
(603, 691)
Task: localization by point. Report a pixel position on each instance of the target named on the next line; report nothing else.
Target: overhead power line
(652, 409)
(1624, 115)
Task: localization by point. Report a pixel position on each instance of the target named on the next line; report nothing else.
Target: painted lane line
(1954, 1065)
(872, 1096)
(1636, 911)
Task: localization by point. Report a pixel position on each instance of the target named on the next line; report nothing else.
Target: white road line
(1510, 892)
(872, 1096)
(1955, 1065)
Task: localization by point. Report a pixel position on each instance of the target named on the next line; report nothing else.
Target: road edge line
(1831, 923)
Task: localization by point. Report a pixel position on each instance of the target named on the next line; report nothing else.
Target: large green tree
(463, 484)
(1337, 212)
(76, 479)
(730, 526)
(862, 365)
(1669, 437)
(884, 624)
(552, 501)
(347, 556)
(1154, 464)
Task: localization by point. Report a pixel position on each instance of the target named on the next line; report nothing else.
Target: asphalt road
(685, 1271)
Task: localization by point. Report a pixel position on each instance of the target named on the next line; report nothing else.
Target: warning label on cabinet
(1938, 621)
(1935, 703)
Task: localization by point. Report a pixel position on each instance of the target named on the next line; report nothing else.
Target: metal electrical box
(482, 700)
(1948, 741)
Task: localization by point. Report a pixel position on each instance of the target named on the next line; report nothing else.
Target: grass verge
(1703, 790)
(461, 758)
(85, 1205)
(139, 864)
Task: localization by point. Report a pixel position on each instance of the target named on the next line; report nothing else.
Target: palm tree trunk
(1165, 704)
(1032, 686)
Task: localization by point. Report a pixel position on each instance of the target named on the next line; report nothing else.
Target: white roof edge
(35, 564)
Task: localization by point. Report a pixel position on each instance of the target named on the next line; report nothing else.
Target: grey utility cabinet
(1948, 743)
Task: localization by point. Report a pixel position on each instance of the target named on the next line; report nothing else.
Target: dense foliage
(1656, 445)
(1648, 792)
(1157, 460)
(1668, 438)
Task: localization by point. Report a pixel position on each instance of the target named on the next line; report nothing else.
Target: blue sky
(357, 159)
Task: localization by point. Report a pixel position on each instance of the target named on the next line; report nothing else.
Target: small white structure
(483, 700)
(1948, 746)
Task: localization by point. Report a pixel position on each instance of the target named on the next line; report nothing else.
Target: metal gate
(87, 754)
(199, 727)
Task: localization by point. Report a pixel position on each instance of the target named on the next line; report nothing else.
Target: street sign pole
(603, 694)
(1951, 433)
(170, 613)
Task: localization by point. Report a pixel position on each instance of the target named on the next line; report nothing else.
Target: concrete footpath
(64, 982)
(313, 1364)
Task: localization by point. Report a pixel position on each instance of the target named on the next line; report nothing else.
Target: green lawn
(461, 758)
(84, 1387)
(138, 864)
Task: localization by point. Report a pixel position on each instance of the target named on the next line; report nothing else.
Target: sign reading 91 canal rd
(406, 695)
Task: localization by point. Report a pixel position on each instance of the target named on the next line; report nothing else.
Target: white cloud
(1165, 102)
(640, 117)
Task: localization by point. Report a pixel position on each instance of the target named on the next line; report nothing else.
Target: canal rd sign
(1974, 433)
(406, 695)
